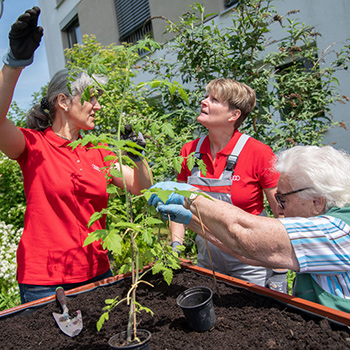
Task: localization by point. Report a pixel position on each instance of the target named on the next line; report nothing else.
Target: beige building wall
(99, 18)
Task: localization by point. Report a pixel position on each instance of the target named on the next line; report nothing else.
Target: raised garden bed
(244, 319)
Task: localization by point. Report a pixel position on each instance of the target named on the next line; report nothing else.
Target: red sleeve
(268, 176)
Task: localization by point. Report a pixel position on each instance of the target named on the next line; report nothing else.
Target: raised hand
(25, 36)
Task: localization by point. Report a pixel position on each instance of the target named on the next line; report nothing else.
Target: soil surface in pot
(244, 320)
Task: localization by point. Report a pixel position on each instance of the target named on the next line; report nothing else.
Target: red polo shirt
(253, 171)
(63, 188)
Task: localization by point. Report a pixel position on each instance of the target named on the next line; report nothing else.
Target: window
(230, 3)
(131, 16)
(290, 96)
(73, 33)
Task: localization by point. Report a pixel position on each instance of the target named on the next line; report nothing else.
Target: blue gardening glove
(176, 212)
(25, 36)
(174, 246)
(278, 281)
(174, 198)
(129, 134)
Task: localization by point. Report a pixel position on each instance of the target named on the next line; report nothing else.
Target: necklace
(62, 137)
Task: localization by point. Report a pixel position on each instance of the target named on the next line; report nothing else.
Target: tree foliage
(295, 89)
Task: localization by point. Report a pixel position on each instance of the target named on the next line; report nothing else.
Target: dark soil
(244, 320)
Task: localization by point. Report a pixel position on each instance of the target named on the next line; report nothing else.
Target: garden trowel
(68, 325)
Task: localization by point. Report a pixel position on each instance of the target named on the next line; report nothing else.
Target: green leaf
(85, 96)
(168, 129)
(102, 69)
(153, 221)
(115, 172)
(191, 161)
(95, 59)
(95, 236)
(177, 162)
(125, 268)
(104, 317)
(147, 195)
(172, 89)
(110, 158)
(94, 217)
(153, 130)
(168, 276)
(141, 85)
(202, 167)
(112, 189)
(91, 69)
(157, 267)
(142, 308)
(164, 195)
(113, 242)
(147, 236)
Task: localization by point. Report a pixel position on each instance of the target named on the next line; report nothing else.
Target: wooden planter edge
(340, 317)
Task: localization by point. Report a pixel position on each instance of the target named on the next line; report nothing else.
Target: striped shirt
(322, 247)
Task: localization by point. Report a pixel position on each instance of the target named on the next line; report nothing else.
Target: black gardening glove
(129, 134)
(278, 281)
(25, 36)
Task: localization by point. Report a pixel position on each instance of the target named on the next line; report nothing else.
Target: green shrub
(9, 239)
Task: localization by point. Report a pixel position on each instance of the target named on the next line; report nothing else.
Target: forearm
(196, 227)
(262, 241)
(142, 177)
(12, 141)
(136, 179)
(8, 80)
(177, 232)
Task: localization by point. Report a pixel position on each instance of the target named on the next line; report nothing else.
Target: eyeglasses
(279, 196)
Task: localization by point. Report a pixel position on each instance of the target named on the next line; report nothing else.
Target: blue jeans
(31, 292)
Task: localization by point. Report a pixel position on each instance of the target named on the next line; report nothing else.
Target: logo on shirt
(235, 178)
(95, 167)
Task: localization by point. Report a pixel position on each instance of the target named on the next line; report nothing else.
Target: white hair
(84, 80)
(324, 169)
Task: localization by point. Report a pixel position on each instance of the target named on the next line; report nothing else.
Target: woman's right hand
(25, 36)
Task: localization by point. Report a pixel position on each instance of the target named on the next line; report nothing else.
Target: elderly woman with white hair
(63, 186)
(312, 239)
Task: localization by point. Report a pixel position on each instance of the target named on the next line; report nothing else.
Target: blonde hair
(237, 95)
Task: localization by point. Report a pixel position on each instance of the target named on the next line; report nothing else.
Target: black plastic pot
(118, 339)
(197, 306)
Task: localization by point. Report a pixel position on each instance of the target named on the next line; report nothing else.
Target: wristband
(175, 244)
(11, 61)
(189, 200)
(136, 158)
